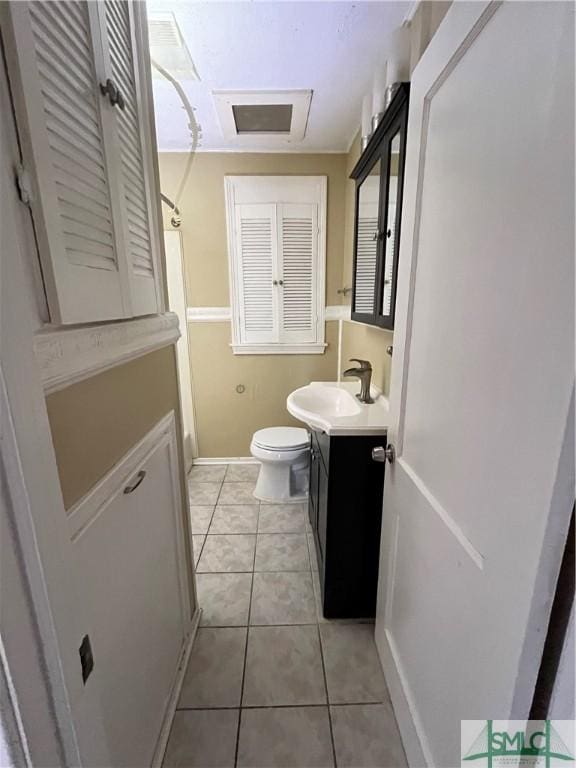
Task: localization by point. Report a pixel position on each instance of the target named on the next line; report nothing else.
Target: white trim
(278, 349)
(288, 150)
(224, 314)
(411, 731)
(209, 314)
(337, 312)
(227, 460)
(68, 355)
(162, 743)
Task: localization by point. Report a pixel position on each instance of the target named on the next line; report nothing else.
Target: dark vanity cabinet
(345, 510)
(379, 175)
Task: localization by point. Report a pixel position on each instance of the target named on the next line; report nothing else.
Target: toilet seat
(281, 438)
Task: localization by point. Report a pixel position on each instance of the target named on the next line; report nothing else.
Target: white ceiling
(333, 48)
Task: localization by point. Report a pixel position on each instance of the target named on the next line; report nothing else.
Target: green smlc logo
(539, 743)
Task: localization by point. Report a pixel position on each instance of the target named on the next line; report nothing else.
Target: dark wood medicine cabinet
(379, 176)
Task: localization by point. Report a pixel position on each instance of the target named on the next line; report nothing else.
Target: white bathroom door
(478, 500)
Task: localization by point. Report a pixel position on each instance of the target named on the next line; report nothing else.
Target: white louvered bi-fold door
(297, 267)
(132, 154)
(58, 98)
(256, 249)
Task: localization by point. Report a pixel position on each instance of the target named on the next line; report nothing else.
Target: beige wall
(204, 213)
(226, 420)
(96, 421)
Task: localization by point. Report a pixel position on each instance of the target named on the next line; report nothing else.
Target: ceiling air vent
(167, 46)
(262, 118)
(248, 116)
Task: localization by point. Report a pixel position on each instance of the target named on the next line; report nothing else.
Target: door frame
(460, 28)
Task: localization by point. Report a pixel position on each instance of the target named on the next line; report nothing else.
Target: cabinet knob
(382, 454)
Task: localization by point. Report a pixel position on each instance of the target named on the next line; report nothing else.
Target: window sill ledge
(279, 349)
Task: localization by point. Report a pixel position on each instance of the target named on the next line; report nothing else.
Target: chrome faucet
(364, 373)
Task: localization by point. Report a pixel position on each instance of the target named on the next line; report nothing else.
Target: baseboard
(413, 739)
(164, 735)
(228, 460)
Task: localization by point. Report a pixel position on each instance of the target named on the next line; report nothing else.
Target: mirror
(367, 242)
(391, 224)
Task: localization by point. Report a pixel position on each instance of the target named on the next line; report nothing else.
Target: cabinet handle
(114, 94)
(139, 477)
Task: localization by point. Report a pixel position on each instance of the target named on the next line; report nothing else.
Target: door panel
(128, 553)
(322, 508)
(58, 101)
(483, 368)
(132, 154)
(313, 483)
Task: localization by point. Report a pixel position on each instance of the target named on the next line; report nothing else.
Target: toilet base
(282, 481)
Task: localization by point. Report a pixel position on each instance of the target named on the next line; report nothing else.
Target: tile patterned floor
(270, 682)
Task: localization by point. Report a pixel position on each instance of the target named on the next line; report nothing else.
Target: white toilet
(283, 453)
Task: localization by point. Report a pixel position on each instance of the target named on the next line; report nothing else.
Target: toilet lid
(278, 438)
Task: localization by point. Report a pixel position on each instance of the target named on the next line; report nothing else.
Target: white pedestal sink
(332, 407)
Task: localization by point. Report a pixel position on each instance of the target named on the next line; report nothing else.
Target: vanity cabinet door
(313, 484)
(322, 526)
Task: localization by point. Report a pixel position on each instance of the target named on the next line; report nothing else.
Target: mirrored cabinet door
(367, 243)
(391, 225)
(379, 176)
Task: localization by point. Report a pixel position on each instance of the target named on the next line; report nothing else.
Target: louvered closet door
(134, 154)
(59, 101)
(255, 232)
(298, 268)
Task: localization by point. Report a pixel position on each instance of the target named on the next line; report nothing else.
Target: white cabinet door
(92, 156)
(133, 153)
(478, 502)
(298, 271)
(60, 111)
(256, 269)
(129, 556)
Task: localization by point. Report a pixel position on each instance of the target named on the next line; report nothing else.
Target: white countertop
(332, 407)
